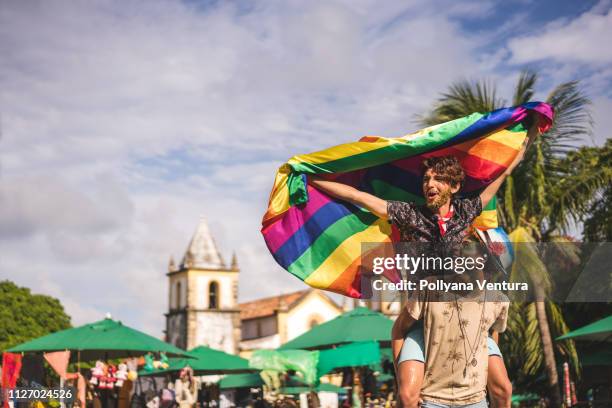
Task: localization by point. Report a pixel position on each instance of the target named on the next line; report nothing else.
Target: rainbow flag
(318, 238)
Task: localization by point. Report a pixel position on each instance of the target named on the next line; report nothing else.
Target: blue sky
(123, 123)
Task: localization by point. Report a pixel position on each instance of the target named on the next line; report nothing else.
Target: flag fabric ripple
(318, 238)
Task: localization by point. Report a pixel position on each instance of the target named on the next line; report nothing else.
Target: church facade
(203, 297)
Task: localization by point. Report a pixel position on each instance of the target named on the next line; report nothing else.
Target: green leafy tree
(598, 223)
(25, 316)
(553, 189)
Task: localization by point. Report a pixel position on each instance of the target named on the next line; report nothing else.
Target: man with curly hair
(445, 219)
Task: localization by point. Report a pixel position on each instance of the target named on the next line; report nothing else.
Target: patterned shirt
(455, 335)
(421, 231)
(418, 223)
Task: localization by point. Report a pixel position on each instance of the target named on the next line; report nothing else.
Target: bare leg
(498, 383)
(410, 378)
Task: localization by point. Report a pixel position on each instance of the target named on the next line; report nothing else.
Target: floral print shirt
(418, 223)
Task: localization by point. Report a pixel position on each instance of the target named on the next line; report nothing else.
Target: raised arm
(344, 192)
(489, 192)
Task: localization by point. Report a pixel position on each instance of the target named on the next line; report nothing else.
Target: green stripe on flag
(387, 191)
(491, 205)
(396, 151)
(329, 240)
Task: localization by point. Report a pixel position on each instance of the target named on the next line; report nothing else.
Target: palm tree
(598, 224)
(551, 190)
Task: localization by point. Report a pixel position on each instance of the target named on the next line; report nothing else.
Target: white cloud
(603, 120)
(31, 204)
(583, 39)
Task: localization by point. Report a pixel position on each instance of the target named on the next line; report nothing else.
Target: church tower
(203, 297)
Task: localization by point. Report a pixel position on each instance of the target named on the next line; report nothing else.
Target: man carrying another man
(444, 219)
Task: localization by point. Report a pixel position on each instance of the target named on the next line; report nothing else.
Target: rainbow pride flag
(318, 238)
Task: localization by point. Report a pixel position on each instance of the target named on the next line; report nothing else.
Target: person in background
(185, 389)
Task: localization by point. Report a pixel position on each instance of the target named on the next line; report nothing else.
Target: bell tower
(203, 297)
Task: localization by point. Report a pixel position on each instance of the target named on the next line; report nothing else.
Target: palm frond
(528, 265)
(573, 121)
(598, 222)
(576, 182)
(521, 344)
(534, 361)
(463, 98)
(566, 348)
(525, 87)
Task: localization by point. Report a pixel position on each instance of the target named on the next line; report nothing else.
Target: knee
(409, 398)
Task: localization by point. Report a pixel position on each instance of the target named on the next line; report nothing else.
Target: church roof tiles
(269, 306)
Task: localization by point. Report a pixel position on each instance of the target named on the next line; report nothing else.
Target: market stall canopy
(357, 325)
(600, 330)
(105, 339)
(241, 381)
(303, 362)
(316, 363)
(206, 361)
(351, 355)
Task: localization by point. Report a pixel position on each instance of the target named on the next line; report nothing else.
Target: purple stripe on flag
(293, 219)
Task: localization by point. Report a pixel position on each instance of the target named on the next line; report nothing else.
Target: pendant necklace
(473, 350)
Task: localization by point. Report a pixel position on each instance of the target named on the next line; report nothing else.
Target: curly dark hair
(447, 168)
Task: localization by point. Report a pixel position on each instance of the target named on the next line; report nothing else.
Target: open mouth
(432, 195)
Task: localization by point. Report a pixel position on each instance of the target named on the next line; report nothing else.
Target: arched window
(213, 295)
(177, 297)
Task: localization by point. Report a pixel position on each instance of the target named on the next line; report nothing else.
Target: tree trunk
(549, 353)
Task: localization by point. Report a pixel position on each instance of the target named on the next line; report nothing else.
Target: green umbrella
(360, 324)
(350, 355)
(106, 339)
(600, 330)
(206, 361)
(241, 381)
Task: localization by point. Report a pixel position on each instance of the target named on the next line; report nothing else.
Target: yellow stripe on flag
(342, 151)
(344, 255)
(279, 197)
(487, 219)
(508, 138)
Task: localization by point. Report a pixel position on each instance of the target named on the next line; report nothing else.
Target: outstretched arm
(489, 192)
(344, 192)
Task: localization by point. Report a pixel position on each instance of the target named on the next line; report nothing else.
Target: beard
(443, 197)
